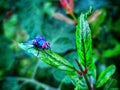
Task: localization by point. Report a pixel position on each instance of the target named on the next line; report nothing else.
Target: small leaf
(81, 84)
(49, 57)
(84, 45)
(112, 83)
(98, 18)
(115, 51)
(105, 75)
(116, 26)
(59, 58)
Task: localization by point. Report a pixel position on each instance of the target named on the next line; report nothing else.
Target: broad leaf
(55, 60)
(115, 51)
(61, 76)
(112, 83)
(49, 57)
(84, 45)
(105, 75)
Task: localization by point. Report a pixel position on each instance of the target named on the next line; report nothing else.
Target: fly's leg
(37, 52)
(29, 48)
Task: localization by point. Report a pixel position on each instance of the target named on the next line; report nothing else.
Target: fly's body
(40, 42)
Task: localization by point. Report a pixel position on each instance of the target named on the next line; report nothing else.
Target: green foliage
(62, 37)
(7, 85)
(84, 45)
(84, 48)
(105, 75)
(13, 31)
(5, 50)
(10, 26)
(81, 85)
(20, 70)
(100, 16)
(50, 58)
(61, 76)
(111, 85)
(41, 23)
(54, 60)
(116, 26)
(115, 51)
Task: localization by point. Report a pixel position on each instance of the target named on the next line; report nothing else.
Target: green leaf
(114, 89)
(62, 39)
(116, 26)
(95, 25)
(54, 60)
(105, 75)
(59, 58)
(57, 61)
(115, 51)
(61, 76)
(49, 57)
(81, 84)
(112, 83)
(48, 8)
(84, 45)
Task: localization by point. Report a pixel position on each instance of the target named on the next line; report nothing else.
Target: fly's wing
(29, 43)
(39, 37)
(42, 41)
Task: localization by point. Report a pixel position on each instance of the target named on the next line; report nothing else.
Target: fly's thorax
(40, 42)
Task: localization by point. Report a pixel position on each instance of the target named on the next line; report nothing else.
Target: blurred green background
(22, 20)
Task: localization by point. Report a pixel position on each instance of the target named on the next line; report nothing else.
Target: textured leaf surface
(84, 45)
(81, 84)
(49, 57)
(112, 83)
(54, 60)
(105, 75)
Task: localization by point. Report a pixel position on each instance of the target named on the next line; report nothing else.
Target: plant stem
(33, 81)
(35, 69)
(84, 75)
(73, 16)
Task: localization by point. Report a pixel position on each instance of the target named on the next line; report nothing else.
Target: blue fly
(40, 42)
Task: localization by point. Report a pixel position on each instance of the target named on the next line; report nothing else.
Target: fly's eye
(44, 46)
